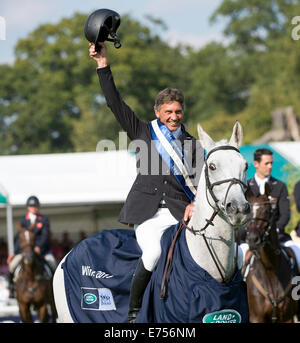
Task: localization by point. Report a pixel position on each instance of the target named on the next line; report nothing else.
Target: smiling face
(170, 114)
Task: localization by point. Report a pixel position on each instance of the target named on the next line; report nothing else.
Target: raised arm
(123, 113)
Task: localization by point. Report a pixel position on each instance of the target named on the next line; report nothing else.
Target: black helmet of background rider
(33, 201)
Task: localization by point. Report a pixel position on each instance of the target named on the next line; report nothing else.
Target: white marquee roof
(70, 178)
(289, 150)
(83, 178)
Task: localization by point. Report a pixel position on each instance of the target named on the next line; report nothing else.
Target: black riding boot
(139, 283)
(11, 286)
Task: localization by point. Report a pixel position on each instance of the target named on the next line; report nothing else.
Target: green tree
(253, 23)
(50, 99)
(267, 59)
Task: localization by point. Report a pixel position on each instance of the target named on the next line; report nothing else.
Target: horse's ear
(249, 194)
(237, 135)
(267, 189)
(206, 141)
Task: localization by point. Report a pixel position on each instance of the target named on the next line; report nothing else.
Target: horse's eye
(212, 166)
(246, 167)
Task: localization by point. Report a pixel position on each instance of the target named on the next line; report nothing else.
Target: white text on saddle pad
(98, 274)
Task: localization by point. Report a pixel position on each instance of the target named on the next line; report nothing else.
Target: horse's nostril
(228, 206)
(256, 240)
(247, 208)
(231, 208)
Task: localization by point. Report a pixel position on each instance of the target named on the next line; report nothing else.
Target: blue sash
(172, 153)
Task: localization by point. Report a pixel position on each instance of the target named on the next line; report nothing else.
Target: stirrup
(132, 315)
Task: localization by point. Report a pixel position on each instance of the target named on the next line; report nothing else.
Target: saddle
(46, 270)
(288, 254)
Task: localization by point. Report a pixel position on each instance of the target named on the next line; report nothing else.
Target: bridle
(269, 220)
(210, 186)
(232, 181)
(217, 210)
(277, 250)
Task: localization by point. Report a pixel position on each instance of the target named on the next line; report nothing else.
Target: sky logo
(2, 28)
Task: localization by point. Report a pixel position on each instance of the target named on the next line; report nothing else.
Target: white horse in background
(220, 207)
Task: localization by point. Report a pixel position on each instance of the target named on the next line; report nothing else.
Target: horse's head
(225, 176)
(261, 218)
(26, 238)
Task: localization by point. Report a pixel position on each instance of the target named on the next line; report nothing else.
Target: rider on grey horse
(156, 200)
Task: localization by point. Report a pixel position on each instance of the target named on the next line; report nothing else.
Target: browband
(222, 147)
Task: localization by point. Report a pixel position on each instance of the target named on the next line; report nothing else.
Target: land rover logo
(89, 298)
(224, 316)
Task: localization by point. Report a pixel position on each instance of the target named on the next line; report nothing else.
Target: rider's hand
(188, 212)
(37, 250)
(101, 56)
(9, 258)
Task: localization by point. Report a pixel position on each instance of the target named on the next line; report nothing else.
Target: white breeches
(291, 244)
(17, 260)
(51, 261)
(148, 235)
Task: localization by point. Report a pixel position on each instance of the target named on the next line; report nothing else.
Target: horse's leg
(61, 304)
(43, 313)
(52, 303)
(24, 309)
(53, 312)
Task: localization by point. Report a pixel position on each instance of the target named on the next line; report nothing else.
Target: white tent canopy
(66, 179)
(73, 178)
(289, 150)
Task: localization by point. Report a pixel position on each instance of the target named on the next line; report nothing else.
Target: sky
(187, 20)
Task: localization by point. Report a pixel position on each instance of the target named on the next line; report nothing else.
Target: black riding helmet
(100, 24)
(33, 201)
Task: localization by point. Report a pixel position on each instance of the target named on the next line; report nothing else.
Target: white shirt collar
(32, 217)
(261, 183)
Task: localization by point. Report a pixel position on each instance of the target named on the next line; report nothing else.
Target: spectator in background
(82, 236)
(3, 257)
(66, 243)
(57, 249)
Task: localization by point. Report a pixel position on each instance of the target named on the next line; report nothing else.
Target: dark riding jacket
(149, 187)
(41, 233)
(283, 211)
(296, 194)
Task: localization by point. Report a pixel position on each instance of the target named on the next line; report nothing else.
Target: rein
(209, 187)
